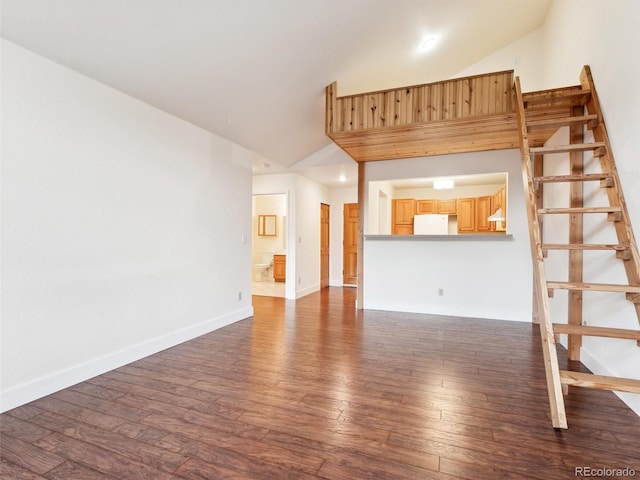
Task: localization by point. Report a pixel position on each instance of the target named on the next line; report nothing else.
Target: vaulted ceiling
(254, 71)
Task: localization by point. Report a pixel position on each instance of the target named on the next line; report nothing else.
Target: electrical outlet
(441, 292)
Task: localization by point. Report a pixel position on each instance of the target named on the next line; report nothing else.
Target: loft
(469, 114)
(490, 112)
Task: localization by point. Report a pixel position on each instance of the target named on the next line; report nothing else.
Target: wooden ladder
(578, 109)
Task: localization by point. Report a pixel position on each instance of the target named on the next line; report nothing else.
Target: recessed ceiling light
(429, 42)
(343, 178)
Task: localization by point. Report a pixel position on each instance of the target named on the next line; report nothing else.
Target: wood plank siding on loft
(467, 114)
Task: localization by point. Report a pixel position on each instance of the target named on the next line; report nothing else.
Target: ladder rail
(552, 370)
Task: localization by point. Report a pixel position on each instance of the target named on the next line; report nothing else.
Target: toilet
(262, 271)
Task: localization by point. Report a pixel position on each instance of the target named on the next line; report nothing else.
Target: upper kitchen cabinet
(448, 207)
(426, 206)
(402, 216)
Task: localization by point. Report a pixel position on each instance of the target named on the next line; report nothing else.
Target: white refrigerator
(430, 224)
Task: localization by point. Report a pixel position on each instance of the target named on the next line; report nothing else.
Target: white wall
(380, 196)
(481, 278)
(524, 57)
(604, 35)
(121, 228)
(309, 196)
(461, 191)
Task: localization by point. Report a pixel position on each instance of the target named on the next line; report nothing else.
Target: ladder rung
(563, 328)
(595, 287)
(576, 147)
(582, 246)
(564, 96)
(572, 178)
(589, 380)
(589, 120)
(579, 210)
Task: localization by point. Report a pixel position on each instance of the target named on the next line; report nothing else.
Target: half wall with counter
(484, 274)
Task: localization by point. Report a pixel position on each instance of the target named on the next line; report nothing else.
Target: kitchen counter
(463, 237)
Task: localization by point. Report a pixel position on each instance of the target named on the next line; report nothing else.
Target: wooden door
(350, 245)
(324, 245)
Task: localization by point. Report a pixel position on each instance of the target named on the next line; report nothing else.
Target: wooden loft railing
(467, 114)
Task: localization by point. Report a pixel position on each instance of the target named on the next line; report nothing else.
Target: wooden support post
(360, 267)
(576, 235)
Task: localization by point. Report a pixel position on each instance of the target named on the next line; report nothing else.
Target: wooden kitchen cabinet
(472, 213)
(426, 206)
(403, 230)
(448, 207)
(280, 268)
(402, 212)
(483, 212)
(466, 208)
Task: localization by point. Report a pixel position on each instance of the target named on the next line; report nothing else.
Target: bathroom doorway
(269, 245)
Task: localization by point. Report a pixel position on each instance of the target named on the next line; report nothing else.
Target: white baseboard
(632, 400)
(27, 392)
(493, 313)
(306, 291)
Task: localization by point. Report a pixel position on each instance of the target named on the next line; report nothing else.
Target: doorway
(350, 245)
(269, 245)
(324, 245)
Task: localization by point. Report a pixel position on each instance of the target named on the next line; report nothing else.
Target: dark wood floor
(312, 389)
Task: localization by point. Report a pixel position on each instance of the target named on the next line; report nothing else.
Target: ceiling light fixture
(342, 178)
(429, 42)
(443, 184)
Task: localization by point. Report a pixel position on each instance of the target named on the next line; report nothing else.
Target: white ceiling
(254, 71)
